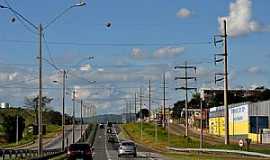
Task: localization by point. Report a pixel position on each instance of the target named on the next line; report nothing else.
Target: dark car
(109, 130)
(80, 151)
(112, 138)
(109, 124)
(101, 126)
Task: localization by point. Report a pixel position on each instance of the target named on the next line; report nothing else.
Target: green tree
(9, 126)
(145, 113)
(177, 109)
(32, 102)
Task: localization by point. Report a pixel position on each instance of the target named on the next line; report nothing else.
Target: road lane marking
(106, 148)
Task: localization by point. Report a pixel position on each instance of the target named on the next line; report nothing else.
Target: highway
(104, 150)
(57, 142)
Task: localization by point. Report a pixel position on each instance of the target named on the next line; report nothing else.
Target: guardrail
(6, 154)
(24, 153)
(219, 151)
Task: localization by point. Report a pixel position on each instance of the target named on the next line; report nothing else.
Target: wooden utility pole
(201, 124)
(141, 114)
(164, 101)
(225, 78)
(135, 106)
(226, 110)
(186, 88)
(149, 98)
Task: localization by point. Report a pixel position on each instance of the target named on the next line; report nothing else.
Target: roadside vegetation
(26, 117)
(164, 140)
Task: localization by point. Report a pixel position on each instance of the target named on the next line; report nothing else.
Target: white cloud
(169, 52)
(86, 67)
(100, 69)
(137, 53)
(184, 13)
(4, 76)
(165, 52)
(81, 93)
(254, 70)
(239, 21)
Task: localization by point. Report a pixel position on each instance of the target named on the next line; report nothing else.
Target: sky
(146, 40)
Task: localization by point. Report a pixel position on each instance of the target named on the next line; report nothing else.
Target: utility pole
(39, 28)
(126, 112)
(141, 115)
(40, 103)
(73, 117)
(186, 88)
(201, 124)
(164, 101)
(225, 78)
(63, 110)
(129, 113)
(17, 129)
(135, 106)
(81, 117)
(149, 98)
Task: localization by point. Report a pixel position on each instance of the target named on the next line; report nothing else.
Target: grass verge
(133, 130)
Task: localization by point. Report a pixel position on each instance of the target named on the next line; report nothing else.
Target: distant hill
(103, 118)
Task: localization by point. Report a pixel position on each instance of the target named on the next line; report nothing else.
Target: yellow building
(245, 121)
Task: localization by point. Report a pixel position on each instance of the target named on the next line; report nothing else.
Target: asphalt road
(108, 151)
(57, 141)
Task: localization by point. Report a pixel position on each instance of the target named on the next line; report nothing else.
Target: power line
(48, 49)
(108, 44)
(19, 16)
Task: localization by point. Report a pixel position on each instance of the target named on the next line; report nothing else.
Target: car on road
(109, 124)
(127, 148)
(112, 138)
(109, 130)
(101, 126)
(80, 151)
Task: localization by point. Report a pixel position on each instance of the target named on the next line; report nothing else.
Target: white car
(127, 148)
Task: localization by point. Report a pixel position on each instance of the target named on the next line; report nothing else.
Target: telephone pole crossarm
(186, 88)
(186, 78)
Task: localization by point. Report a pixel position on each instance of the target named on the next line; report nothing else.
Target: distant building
(5, 105)
(208, 93)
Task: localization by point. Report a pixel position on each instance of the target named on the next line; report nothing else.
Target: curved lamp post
(40, 30)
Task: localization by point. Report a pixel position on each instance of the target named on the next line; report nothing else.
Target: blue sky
(151, 37)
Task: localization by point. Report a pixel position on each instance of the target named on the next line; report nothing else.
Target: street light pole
(81, 116)
(73, 117)
(17, 128)
(63, 110)
(40, 103)
(40, 35)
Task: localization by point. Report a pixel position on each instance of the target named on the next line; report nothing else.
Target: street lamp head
(92, 82)
(1, 6)
(80, 4)
(91, 57)
(55, 81)
(108, 24)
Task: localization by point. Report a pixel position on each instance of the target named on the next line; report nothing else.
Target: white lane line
(105, 142)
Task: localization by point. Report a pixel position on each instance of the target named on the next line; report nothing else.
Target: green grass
(148, 136)
(197, 156)
(29, 137)
(178, 141)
